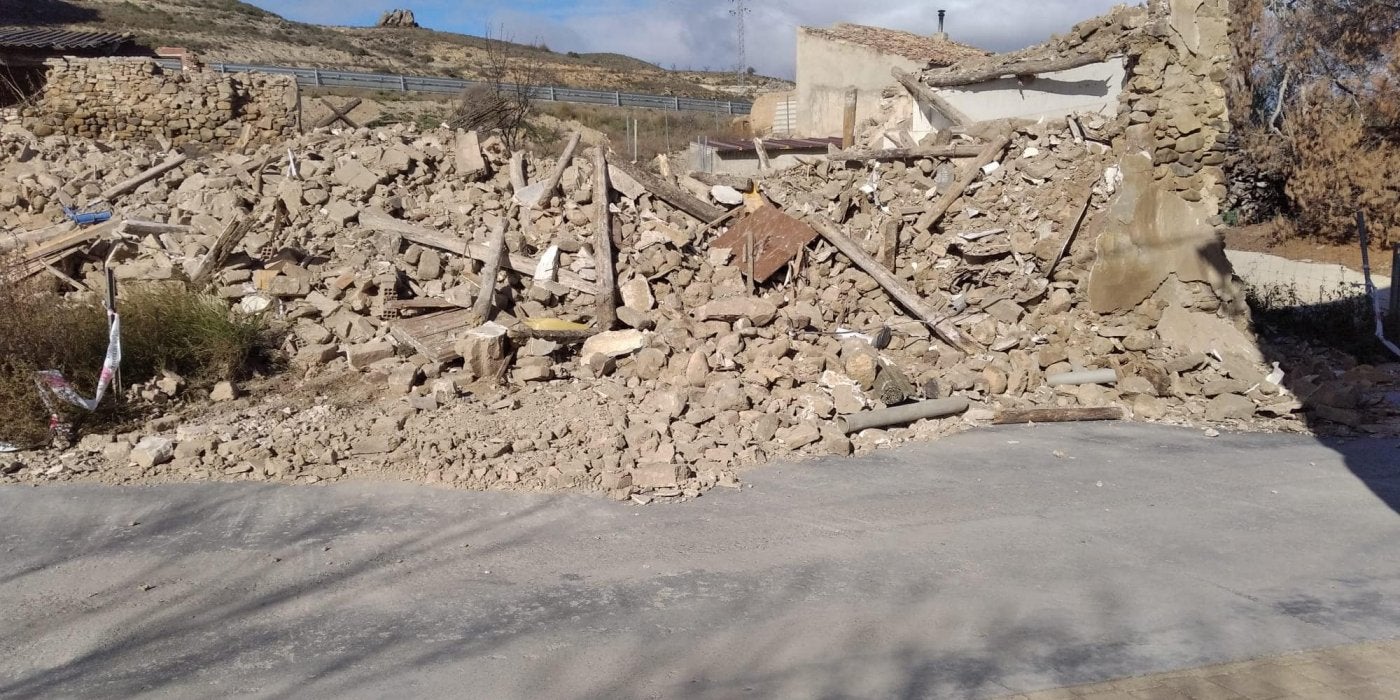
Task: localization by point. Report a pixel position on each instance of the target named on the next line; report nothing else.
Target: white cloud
(702, 33)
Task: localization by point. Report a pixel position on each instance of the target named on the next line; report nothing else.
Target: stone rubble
(699, 380)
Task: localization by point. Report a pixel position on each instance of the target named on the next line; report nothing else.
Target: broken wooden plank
(1057, 415)
(957, 151)
(672, 194)
(762, 154)
(25, 239)
(940, 325)
(533, 196)
(1019, 69)
(229, 238)
(143, 177)
(435, 335)
(1069, 239)
(65, 242)
(605, 314)
(419, 303)
(776, 239)
(989, 153)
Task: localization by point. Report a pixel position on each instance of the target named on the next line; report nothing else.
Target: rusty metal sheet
(776, 239)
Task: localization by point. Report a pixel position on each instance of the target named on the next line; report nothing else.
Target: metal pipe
(899, 415)
(1084, 376)
(941, 14)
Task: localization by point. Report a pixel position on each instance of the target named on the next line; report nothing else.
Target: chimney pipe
(941, 13)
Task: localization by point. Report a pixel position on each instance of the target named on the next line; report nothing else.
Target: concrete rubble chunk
(613, 343)
(483, 350)
(152, 451)
(760, 311)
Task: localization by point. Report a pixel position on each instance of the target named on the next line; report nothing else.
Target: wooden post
(606, 313)
(491, 266)
(905, 296)
(762, 153)
(848, 120)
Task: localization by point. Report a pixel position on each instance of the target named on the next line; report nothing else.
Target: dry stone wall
(126, 99)
(1162, 222)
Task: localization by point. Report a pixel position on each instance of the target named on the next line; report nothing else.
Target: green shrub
(163, 328)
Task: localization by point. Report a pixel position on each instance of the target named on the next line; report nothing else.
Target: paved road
(977, 566)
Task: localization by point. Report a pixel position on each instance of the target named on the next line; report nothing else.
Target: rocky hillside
(233, 31)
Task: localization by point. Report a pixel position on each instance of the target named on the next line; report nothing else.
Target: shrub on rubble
(191, 334)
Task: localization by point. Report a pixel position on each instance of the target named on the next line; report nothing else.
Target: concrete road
(972, 567)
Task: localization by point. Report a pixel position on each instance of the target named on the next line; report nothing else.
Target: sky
(702, 34)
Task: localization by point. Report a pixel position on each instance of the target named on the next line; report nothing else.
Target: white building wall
(826, 69)
(1091, 88)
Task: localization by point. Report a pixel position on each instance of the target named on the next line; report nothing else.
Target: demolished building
(475, 317)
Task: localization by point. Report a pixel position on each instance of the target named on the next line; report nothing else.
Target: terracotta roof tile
(937, 51)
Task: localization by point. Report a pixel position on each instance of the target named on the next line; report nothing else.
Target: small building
(734, 157)
(23, 51)
(831, 61)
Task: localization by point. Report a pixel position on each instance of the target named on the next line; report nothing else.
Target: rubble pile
(368, 245)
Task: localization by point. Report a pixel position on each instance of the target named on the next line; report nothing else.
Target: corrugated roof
(42, 38)
(936, 50)
(771, 145)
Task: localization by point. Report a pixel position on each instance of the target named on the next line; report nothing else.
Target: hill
(236, 32)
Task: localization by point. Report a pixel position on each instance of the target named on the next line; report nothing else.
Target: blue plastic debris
(88, 217)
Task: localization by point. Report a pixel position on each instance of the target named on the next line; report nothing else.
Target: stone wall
(1162, 223)
(130, 99)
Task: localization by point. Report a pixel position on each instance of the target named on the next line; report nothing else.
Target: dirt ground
(1264, 238)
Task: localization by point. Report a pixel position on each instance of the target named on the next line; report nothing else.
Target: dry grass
(193, 335)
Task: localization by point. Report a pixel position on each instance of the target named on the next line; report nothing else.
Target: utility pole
(739, 9)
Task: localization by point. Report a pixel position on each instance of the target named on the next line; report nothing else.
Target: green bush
(194, 335)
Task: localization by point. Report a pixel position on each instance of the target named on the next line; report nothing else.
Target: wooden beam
(989, 153)
(910, 300)
(144, 176)
(1058, 415)
(534, 196)
(672, 194)
(923, 94)
(606, 310)
(339, 114)
(957, 151)
(1019, 69)
(379, 221)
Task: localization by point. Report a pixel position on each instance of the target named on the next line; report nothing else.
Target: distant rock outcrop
(398, 18)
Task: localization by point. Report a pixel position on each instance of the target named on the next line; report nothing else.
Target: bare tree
(513, 75)
(1315, 100)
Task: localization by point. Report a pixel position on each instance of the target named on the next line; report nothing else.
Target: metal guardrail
(316, 77)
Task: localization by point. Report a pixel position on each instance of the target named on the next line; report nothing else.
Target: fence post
(551, 94)
(729, 106)
(316, 73)
(617, 99)
(403, 84)
(677, 102)
(1393, 318)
